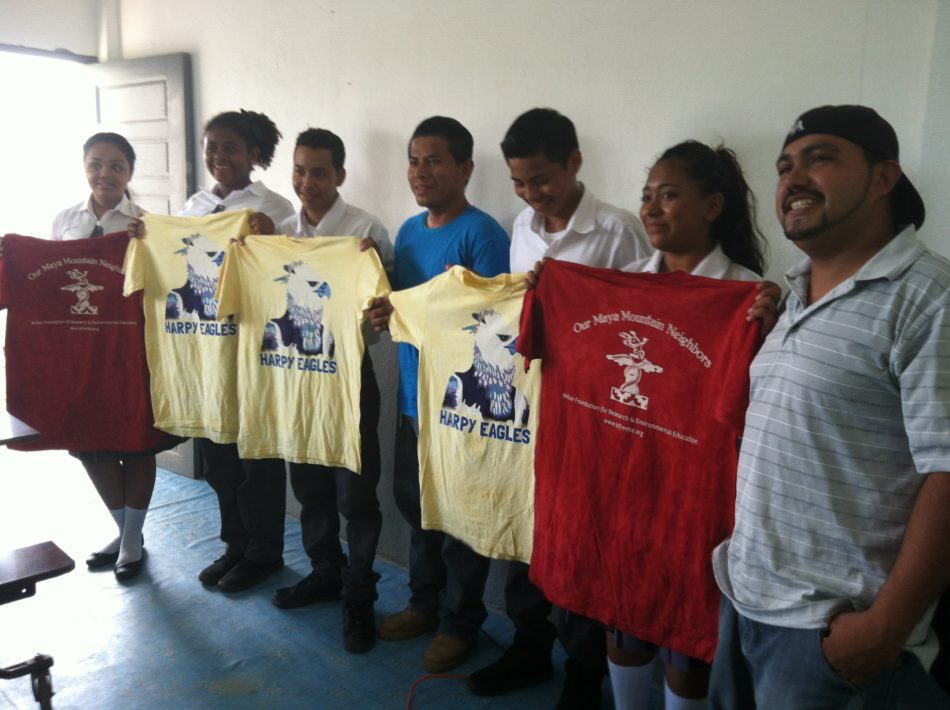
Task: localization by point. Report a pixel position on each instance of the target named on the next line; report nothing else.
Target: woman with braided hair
(236, 142)
(251, 493)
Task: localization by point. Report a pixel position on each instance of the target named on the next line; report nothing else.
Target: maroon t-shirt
(75, 347)
(644, 389)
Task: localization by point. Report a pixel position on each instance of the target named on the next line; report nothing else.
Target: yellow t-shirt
(478, 409)
(191, 355)
(299, 303)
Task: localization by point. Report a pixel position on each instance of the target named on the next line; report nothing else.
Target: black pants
(438, 563)
(326, 492)
(251, 498)
(582, 638)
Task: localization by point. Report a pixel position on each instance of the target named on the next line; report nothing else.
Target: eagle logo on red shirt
(635, 365)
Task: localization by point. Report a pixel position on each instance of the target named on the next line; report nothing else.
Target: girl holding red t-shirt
(124, 480)
(699, 214)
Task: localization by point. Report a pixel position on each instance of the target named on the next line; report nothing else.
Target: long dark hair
(718, 170)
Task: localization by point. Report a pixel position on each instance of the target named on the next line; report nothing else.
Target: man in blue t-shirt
(449, 232)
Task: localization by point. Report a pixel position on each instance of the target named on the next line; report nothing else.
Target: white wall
(634, 76)
(51, 24)
(934, 167)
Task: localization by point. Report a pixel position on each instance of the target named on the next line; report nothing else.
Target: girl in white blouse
(124, 480)
(109, 162)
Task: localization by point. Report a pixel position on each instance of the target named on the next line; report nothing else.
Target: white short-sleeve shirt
(598, 235)
(715, 265)
(343, 220)
(79, 221)
(255, 196)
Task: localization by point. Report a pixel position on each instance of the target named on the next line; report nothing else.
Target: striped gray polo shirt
(850, 405)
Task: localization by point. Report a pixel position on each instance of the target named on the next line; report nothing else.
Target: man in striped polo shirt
(842, 532)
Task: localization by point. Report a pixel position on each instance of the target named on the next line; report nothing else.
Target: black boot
(524, 663)
(359, 626)
(581, 688)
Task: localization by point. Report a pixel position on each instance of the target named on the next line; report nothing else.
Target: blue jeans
(777, 668)
(439, 564)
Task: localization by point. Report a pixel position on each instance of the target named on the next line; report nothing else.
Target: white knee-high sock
(631, 685)
(118, 516)
(672, 701)
(131, 548)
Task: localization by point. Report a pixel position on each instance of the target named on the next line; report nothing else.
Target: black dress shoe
(213, 573)
(102, 559)
(309, 590)
(521, 665)
(246, 574)
(129, 570)
(581, 687)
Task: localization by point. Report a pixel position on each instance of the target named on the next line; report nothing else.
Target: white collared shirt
(79, 221)
(255, 196)
(715, 265)
(598, 234)
(342, 220)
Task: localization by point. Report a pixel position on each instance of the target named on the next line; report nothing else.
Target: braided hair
(257, 130)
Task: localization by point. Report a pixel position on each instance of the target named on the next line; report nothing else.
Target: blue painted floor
(165, 641)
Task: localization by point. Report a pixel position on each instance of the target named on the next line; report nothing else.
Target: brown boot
(407, 624)
(447, 652)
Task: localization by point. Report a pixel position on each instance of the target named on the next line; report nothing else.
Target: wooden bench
(20, 570)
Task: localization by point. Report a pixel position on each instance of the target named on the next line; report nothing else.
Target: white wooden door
(148, 101)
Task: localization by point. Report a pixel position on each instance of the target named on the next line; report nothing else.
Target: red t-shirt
(644, 389)
(75, 349)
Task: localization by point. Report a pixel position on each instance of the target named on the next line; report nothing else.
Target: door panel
(148, 100)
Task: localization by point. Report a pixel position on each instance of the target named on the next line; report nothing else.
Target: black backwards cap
(864, 127)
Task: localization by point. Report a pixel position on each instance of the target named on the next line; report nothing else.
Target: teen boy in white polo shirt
(327, 492)
(565, 221)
